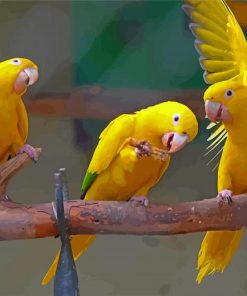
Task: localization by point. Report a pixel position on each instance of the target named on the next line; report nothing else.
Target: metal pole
(66, 280)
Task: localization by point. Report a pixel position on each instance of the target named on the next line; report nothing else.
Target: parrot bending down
(119, 171)
(223, 55)
(15, 76)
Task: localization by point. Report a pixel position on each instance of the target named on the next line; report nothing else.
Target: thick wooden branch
(100, 103)
(19, 221)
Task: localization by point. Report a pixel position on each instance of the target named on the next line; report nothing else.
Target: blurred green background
(142, 44)
(125, 45)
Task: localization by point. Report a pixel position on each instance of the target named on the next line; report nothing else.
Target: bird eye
(175, 119)
(15, 62)
(229, 93)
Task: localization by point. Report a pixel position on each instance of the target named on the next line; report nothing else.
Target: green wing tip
(83, 194)
(87, 182)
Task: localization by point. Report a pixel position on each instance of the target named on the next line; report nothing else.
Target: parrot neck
(144, 130)
(236, 131)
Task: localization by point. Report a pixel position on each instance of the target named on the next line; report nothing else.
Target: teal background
(139, 44)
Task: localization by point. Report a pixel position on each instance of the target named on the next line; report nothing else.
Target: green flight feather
(87, 182)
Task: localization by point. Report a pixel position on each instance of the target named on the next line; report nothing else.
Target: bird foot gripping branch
(225, 196)
(140, 199)
(30, 151)
(5, 198)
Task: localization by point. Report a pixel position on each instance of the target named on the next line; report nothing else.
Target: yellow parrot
(223, 56)
(121, 172)
(15, 76)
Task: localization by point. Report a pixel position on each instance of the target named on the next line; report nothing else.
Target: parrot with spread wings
(222, 47)
(119, 171)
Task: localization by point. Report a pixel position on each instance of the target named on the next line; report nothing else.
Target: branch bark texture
(18, 221)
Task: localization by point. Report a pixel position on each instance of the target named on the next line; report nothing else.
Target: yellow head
(226, 101)
(16, 75)
(169, 124)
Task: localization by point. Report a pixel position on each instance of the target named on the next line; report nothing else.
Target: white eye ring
(229, 93)
(175, 119)
(16, 62)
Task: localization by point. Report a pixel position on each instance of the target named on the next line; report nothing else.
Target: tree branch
(101, 103)
(19, 221)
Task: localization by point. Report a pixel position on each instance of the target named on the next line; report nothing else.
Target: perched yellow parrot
(15, 76)
(223, 55)
(121, 172)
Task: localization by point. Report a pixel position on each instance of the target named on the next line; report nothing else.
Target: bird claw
(143, 149)
(5, 197)
(225, 196)
(141, 199)
(31, 152)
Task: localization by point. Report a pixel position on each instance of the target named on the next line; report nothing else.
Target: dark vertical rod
(66, 280)
(65, 188)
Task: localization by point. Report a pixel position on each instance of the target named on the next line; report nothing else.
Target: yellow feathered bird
(15, 76)
(223, 55)
(119, 171)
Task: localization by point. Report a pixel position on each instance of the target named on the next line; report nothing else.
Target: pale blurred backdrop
(115, 56)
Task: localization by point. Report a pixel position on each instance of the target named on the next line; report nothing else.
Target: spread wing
(110, 142)
(219, 41)
(221, 45)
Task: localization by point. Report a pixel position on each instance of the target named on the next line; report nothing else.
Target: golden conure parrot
(15, 76)
(121, 172)
(223, 56)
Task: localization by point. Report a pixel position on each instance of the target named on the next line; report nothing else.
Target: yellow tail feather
(217, 250)
(79, 245)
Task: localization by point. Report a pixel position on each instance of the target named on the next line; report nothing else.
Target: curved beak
(216, 111)
(25, 78)
(174, 141)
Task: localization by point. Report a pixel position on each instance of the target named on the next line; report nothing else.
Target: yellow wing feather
(221, 45)
(216, 133)
(220, 138)
(211, 125)
(218, 37)
(111, 140)
(21, 131)
(218, 66)
(22, 121)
